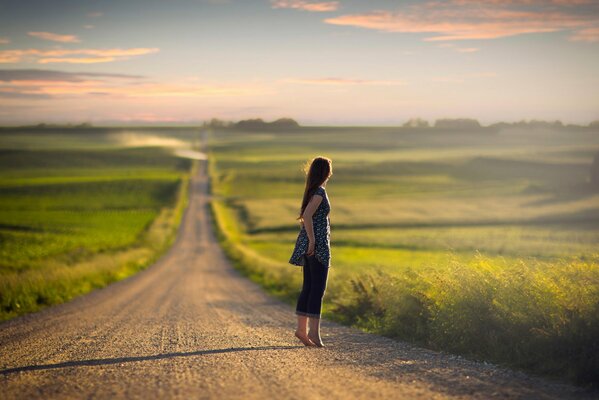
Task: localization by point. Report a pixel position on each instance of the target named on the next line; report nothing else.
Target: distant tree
(534, 123)
(501, 125)
(285, 123)
(258, 124)
(595, 171)
(545, 124)
(594, 124)
(251, 124)
(215, 123)
(416, 123)
(458, 123)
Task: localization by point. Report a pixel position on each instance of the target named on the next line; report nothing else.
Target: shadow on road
(118, 360)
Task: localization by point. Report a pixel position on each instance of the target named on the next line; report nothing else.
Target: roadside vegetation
(481, 244)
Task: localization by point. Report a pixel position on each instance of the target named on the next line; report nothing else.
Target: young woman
(313, 250)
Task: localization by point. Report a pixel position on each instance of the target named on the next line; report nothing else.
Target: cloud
(85, 56)
(7, 75)
(459, 49)
(88, 26)
(31, 83)
(487, 19)
(7, 93)
(95, 14)
(4, 40)
(55, 37)
(461, 78)
(42, 83)
(342, 81)
(77, 60)
(586, 35)
(525, 2)
(322, 6)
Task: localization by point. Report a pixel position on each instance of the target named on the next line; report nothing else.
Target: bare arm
(308, 213)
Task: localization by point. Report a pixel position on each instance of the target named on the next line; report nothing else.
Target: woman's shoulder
(320, 191)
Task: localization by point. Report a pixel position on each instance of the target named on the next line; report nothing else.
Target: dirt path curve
(191, 327)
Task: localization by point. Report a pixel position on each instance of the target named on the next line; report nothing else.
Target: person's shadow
(119, 360)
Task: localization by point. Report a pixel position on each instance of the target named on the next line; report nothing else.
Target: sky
(346, 62)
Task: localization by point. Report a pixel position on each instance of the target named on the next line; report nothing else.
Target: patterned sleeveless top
(322, 234)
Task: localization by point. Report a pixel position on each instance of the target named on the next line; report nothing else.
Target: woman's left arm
(307, 216)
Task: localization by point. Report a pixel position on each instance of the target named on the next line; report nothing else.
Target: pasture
(80, 208)
(480, 242)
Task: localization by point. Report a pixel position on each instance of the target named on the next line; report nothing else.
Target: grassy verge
(277, 279)
(54, 263)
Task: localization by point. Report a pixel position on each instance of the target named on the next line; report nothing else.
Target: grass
(77, 218)
(475, 243)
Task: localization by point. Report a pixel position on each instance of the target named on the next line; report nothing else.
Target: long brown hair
(317, 170)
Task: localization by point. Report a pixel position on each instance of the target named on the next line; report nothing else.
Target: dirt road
(191, 327)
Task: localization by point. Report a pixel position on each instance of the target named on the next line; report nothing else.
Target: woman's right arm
(308, 213)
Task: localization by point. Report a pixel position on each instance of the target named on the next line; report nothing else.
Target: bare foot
(304, 339)
(316, 340)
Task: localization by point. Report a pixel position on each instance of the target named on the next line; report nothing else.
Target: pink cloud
(65, 55)
(4, 40)
(76, 60)
(459, 49)
(342, 81)
(586, 35)
(55, 37)
(52, 84)
(306, 5)
(468, 19)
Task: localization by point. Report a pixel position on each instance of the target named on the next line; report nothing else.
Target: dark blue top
(322, 234)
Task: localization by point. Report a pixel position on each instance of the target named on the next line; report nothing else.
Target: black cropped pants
(309, 302)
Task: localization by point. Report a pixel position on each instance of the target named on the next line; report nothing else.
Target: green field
(80, 208)
(481, 243)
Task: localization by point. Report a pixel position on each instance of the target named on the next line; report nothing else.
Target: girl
(313, 250)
